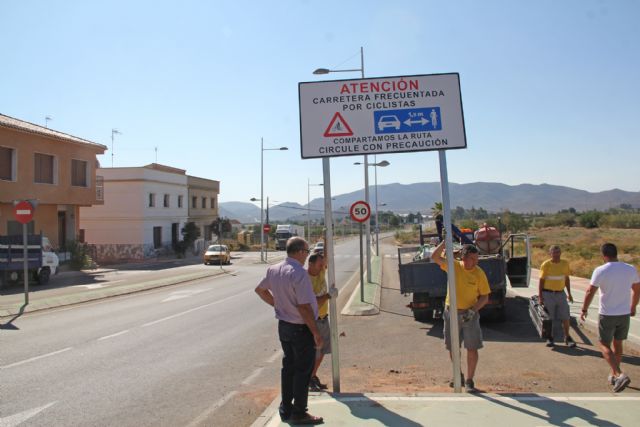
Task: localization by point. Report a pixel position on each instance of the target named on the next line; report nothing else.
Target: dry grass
(581, 246)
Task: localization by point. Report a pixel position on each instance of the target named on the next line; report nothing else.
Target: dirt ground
(391, 352)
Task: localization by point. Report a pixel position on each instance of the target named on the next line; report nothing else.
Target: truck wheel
(423, 315)
(43, 276)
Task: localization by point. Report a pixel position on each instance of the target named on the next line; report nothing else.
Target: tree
(514, 222)
(590, 219)
(190, 232)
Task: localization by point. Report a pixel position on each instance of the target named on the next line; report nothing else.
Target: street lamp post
(262, 150)
(309, 185)
(113, 132)
(382, 164)
(366, 172)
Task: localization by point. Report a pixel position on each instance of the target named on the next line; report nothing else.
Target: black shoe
(550, 342)
(285, 413)
(569, 342)
(305, 418)
(316, 382)
(470, 387)
(461, 380)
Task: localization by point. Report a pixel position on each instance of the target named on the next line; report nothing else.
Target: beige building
(55, 169)
(203, 204)
(145, 209)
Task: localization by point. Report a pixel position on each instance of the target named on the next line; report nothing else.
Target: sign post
(360, 212)
(398, 114)
(23, 211)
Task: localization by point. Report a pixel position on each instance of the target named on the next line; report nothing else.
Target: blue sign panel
(407, 120)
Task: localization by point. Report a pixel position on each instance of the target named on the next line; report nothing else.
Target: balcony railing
(100, 188)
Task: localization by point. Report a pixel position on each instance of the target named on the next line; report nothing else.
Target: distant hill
(420, 197)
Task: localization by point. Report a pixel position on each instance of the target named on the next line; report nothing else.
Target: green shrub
(79, 255)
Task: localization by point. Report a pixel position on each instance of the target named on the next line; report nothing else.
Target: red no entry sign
(23, 212)
(266, 228)
(360, 211)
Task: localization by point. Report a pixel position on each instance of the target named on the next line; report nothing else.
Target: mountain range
(420, 197)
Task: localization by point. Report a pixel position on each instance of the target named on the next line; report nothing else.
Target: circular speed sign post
(360, 212)
(23, 211)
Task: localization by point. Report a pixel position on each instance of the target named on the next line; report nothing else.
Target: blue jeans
(297, 364)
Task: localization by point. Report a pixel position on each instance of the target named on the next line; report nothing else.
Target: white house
(144, 210)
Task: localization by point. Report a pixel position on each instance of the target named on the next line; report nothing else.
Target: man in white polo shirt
(619, 286)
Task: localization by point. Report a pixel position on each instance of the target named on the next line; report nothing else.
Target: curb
(371, 304)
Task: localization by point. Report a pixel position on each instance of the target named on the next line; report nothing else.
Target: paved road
(201, 353)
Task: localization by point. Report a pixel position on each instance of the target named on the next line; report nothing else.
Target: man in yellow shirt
(316, 267)
(472, 293)
(554, 278)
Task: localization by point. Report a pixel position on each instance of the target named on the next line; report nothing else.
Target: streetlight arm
(327, 71)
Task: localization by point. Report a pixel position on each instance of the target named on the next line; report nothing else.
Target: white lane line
(252, 377)
(22, 362)
(200, 419)
(106, 337)
(173, 316)
(19, 418)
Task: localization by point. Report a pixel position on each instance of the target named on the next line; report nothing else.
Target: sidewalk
(482, 409)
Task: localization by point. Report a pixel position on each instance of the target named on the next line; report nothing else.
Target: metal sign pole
(361, 267)
(25, 263)
(451, 275)
(331, 282)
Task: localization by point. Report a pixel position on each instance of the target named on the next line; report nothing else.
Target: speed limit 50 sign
(360, 211)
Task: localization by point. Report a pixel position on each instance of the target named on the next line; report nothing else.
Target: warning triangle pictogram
(338, 127)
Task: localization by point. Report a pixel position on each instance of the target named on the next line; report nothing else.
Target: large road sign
(381, 115)
(360, 211)
(23, 212)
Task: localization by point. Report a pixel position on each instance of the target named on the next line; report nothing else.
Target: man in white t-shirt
(619, 286)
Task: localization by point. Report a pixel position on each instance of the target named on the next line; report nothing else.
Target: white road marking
(19, 418)
(93, 286)
(22, 362)
(253, 376)
(173, 316)
(200, 419)
(106, 337)
(183, 294)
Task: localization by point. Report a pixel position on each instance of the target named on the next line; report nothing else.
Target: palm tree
(436, 209)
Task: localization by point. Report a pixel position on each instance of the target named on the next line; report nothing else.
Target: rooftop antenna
(156, 148)
(114, 131)
(46, 121)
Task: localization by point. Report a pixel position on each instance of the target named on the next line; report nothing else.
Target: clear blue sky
(550, 89)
